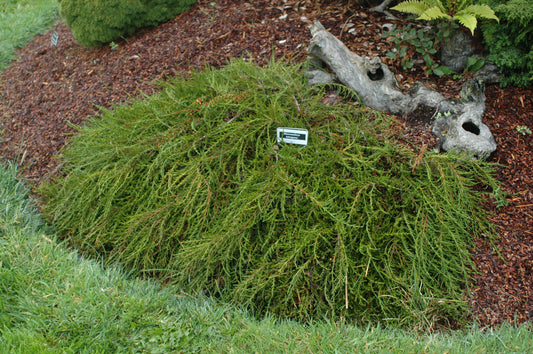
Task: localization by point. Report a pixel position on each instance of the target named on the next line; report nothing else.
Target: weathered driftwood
(376, 86)
(382, 7)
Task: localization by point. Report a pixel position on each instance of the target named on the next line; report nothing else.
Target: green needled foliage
(510, 41)
(97, 22)
(190, 185)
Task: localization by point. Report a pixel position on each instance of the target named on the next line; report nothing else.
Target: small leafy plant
(473, 64)
(499, 197)
(412, 45)
(463, 11)
(523, 129)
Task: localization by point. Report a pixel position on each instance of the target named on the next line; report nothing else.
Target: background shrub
(510, 41)
(96, 22)
(190, 185)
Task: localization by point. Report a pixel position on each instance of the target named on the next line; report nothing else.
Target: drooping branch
(376, 86)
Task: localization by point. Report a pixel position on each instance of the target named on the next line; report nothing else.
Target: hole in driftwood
(376, 76)
(471, 127)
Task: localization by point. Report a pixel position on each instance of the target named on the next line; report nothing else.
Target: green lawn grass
(20, 21)
(54, 301)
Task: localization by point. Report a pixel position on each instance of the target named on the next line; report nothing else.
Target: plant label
(292, 135)
(55, 38)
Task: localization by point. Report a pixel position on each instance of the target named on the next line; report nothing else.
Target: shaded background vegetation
(510, 43)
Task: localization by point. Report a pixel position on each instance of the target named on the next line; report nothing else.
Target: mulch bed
(51, 88)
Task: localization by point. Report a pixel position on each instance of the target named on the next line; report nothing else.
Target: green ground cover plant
(97, 22)
(191, 186)
(20, 21)
(52, 300)
(412, 43)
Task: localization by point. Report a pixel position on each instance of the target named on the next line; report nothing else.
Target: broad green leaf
(474, 64)
(438, 72)
(471, 61)
(442, 70)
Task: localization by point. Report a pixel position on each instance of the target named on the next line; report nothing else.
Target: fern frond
(461, 4)
(433, 13)
(482, 11)
(414, 7)
(468, 20)
(444, 6)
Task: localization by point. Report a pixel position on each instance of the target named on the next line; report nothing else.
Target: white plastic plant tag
(292, 135)
(55, 38)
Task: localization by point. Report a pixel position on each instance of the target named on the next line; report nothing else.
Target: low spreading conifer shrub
(191, 185)
(97, 22)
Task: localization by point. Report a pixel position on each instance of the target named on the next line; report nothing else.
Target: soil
(52, 88)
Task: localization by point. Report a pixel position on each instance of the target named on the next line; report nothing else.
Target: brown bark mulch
(50, 88)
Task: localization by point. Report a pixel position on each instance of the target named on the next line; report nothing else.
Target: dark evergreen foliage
(510, 43)
(97, 22)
